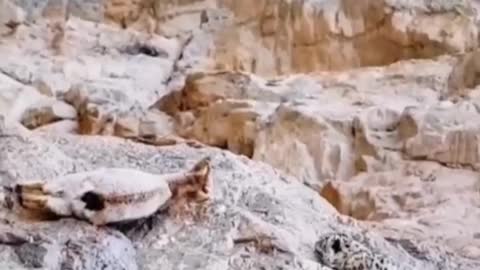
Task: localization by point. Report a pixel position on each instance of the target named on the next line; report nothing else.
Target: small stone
(145, 49)
(56, 9)
(31, 254)
(36, 117)
(62, 126)
(43, 88)
(127, 127)
(10, 15)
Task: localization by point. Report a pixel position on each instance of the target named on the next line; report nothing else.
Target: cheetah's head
(332, 249)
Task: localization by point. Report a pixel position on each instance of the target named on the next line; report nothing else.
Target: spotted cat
(341, 252)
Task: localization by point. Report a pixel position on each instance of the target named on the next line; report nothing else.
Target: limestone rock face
(54, 246)
(320, 116)
(331, 123)
(105, 65)
(42, 115)
(429, 200)
(446, 134)
(10, 16)
(280, 37)
(249, 199)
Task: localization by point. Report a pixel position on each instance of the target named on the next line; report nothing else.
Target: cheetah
(341, 252)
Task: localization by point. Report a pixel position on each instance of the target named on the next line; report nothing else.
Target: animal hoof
(33, 187)
(32, 201)
(31, 195)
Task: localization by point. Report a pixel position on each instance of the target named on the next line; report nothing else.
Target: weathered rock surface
(249, 198)
(280, 37)
(64, 244)
(332, 93)
(97, 53)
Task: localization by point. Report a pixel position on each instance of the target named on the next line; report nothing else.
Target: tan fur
(33, 201)
(195, 187)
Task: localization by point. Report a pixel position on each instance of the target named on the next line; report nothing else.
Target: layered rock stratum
(320, 116)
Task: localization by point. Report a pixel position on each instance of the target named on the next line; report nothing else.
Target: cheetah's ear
(336, 246)
(93, 201)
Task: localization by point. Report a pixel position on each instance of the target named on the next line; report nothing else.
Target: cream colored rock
(30, 107)
(125, 12)
(62, 126)
(228, 124)
(204, 88)
(378, 126)
(43, 87)
(395, 86)
(315, 149)
(150, 127)
(152, 124)
(346, 133)
(446, 134)
(464, 76)
(360, 115)
(419, 200)
(249, 199)
(11, 16)
(97, 59)
(43, 114)
(56, 10)
(304, 36)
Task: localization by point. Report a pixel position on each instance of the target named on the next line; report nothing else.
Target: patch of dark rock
(408, 246)
(90, 10)
(145, 49)
(225, 164)
(112, 253)
(13, 239)
(139, 228)
(31, 254)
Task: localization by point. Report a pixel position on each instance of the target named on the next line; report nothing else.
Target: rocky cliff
(321, 116)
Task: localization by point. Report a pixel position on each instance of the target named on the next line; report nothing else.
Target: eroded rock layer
(357, 118)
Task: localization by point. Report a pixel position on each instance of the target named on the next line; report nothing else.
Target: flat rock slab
(249, 199)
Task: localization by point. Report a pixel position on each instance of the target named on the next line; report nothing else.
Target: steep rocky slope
(321, 116)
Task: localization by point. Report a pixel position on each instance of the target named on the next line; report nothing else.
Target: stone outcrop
(250, 199)
(280, 37)
(355, 117)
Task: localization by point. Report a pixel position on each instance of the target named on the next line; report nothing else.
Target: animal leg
(194, 184)
(33, 197)
(32, 187)
(191, 186)
(32, 201)
(178, 209)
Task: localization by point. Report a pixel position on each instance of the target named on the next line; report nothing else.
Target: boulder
(250, 199)
(338, 116)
